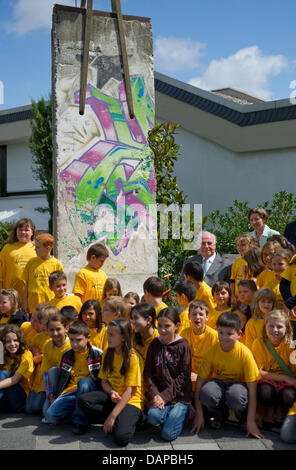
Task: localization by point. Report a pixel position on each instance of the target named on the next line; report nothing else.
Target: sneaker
(44, 420)
(80, 429)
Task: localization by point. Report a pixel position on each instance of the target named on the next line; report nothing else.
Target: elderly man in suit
(215, 267)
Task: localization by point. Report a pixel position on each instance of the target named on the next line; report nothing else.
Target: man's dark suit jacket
(290, 232)
(220, 269)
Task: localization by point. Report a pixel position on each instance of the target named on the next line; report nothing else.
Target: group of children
(98, 356)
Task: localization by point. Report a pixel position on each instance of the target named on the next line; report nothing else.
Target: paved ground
(26, 432)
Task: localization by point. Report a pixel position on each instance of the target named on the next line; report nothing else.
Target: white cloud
(175, 54)
(248, 70)
(30, 15)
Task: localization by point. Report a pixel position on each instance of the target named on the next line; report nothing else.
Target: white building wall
(214, 176)
(19, 169)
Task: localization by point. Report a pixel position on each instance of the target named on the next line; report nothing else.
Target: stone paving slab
(27, 432)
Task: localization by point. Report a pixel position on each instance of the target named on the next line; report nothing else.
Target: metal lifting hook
(116, 9)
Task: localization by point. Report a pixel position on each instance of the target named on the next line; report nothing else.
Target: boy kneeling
(227, 379)
(78, 374)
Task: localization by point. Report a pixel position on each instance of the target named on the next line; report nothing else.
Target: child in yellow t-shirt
(36, 397)
(227, 379)
(78, 375)
(222, 296)
(32, 327)
(111, 288)
(52, 353)
(199, 335)
(280, 262)
(10, 307)
(154, 288)
(37, 271)
(17, 370)
(90, 280)
(276, 390)
(132, 298)
(15, 255)
(193, 271)
(120, 405)
(246, 291)
(91, 314)
(243, 244)
(185, 293)
(245, 313)
(58, 285)
(263, 303)
(115, 307)
(267, 252)
(143, 320)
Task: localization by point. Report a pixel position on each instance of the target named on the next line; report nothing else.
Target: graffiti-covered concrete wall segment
(104, 174)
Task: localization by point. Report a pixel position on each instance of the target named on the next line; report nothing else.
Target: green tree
(171, 254)
(41, 147)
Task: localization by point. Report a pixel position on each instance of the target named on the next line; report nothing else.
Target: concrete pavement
(27, 432)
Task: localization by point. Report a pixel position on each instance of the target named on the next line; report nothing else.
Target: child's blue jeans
(65, 408)
(12, 399)
(171, 418)
(35, 402)
(53, 375)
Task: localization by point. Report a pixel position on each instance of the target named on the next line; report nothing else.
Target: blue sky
(245, 45)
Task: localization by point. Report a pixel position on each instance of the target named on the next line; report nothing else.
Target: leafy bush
(5, 229)
(227, 226)
(170, 251)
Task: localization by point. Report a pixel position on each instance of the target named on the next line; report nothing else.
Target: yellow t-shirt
(5, 319)
(214, 314)
(184, 319)
(237, 365)
(274, 285)
(89, 283)
(290, 275)
(292, 410)
(133, 378)
(160, 307)
(29, 332)
(99, 338)
(52, 355)
(264, 277)
(79, 370)
(142, 350)
(69, 300)
(237, 272)
(36, 274)
(253, 330)
(13, 259)
(204, 292)
(266, 361)
(199, 344)
(40, 339)
(25, 368)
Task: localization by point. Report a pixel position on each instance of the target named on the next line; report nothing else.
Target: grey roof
(241, 115)
(20, 113)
